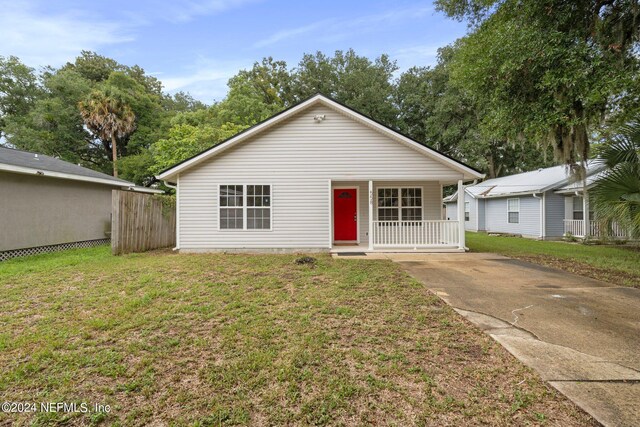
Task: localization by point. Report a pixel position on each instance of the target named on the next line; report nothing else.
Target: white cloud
(416, 55)
(184, 11)
(41, 37)
(332, 29)
(291, 33)
(206, 80)
(52, 39)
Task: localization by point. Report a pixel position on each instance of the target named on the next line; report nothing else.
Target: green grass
(616, 264)
(217, 339)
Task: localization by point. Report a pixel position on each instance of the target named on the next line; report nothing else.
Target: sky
(196, 46)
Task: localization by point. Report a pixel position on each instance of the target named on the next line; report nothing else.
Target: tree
(616, 196)
(109, 119)
(268, 81)
(548, 69)
(185, 140)
(19, 90)
(51, 123)
(445, 117)
(353, 80)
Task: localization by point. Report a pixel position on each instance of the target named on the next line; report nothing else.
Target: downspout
(175, 187)
(542, 209)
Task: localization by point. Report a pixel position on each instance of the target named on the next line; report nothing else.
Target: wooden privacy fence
(141, 222)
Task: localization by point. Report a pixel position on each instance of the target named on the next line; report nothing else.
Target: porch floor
(364, 247)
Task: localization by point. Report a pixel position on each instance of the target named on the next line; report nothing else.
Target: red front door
(345, 214)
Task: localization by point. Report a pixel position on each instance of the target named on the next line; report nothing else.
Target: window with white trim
(258, 207)
(578, 208)
(400, 204)
(245, 207)
(513, 211)
(466, 211)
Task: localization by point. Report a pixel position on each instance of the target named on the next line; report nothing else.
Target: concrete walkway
(580, 334)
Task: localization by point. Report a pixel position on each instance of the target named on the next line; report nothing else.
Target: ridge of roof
(320, 97)
(536, 181)
(17, 160)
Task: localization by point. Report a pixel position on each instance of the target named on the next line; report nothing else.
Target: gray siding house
(317, 177)
(49, 204)
(541, 204)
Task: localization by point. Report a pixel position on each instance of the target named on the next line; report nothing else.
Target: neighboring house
(316, 177)
(49, 204)
(543, 204)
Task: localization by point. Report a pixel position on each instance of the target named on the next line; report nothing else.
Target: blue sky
(196, 46)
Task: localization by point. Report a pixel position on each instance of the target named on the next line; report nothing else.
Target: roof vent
(35, 155)
(319, 118)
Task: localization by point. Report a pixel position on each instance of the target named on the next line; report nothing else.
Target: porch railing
(413, 234)
(575, 227)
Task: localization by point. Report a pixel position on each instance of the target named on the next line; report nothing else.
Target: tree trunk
(114, 155)
(491, 166)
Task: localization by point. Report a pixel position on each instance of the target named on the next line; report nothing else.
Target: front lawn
(614, 264)
(219, 339)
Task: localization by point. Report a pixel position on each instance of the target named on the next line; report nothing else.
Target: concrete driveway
(580, 334)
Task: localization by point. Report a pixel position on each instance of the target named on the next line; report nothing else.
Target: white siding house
(318, 176)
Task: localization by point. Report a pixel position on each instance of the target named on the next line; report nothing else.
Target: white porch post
(461, 214)
(370, 215)
(585, 211)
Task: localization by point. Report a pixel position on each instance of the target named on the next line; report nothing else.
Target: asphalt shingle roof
(26, 159)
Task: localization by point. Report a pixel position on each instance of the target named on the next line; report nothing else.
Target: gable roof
(18, 161)
(537, 181)
(577, 185)
(450, 198)
(467, 171)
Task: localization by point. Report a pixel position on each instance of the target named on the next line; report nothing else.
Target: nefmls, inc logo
(66, 407)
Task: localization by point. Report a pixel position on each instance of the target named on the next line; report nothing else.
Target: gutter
(62, 175)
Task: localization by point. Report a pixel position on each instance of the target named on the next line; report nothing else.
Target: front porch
(392, 216)
(576, 228)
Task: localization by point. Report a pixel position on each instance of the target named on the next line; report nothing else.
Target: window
(513, 209)
(411, 204)
(231, 207)
(258, 207)
(245, 207)
(399, 204)
(578, 209)
(466, 211)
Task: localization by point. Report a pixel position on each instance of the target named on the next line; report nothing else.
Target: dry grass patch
(251, 340)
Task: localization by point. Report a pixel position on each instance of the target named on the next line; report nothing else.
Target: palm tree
(616, 196)
(109, 119)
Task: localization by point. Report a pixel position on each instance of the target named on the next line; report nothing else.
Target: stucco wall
(39, 211)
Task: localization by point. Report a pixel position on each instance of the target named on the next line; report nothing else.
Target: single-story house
(318, 176)
(49, 204)
(543, 204)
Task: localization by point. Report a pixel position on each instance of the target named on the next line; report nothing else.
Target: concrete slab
(580, 333)
(596, 398)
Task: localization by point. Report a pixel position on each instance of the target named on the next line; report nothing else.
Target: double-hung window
(245, 207)
(513, 210)
(466, 211)
(578, 208)
(400, 204)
